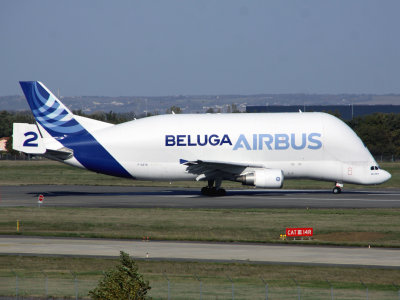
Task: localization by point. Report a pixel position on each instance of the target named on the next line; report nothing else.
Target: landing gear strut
(211, 190)
(338, 188)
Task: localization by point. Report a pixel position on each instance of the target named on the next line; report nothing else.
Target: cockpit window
(374, 168)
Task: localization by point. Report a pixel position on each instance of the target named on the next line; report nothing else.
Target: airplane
(260, 150)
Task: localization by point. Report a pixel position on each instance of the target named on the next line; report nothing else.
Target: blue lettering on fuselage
(242, 143)
(281, 141)
(312, 139)
(199, 140)
(262, 141)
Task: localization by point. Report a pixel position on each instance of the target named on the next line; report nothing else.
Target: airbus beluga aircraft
(260, 150)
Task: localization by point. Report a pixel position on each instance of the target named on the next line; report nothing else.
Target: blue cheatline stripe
(94, 156)
(87, 150)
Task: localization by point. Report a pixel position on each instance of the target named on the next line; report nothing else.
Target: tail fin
(71, 132)
(49, 112)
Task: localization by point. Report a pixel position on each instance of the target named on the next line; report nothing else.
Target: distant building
(346, 112)
(3, 143)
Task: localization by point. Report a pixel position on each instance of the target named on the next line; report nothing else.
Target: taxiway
(192, 251)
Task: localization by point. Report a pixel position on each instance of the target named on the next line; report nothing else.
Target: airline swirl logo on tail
(50, 113)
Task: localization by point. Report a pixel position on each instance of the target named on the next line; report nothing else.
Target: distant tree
(111, 117)
(122, 283)
(210, 110)
(8, 118)
(335, 113)
(379, 132)
(149, 114)
(9, 147)
(174, 109)
(234, 108)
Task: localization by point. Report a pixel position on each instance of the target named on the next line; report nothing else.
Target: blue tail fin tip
(48, 111)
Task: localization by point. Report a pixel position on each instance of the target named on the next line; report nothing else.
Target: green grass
(356, 227)
(313, 280)
(50, 172)
(361, 227)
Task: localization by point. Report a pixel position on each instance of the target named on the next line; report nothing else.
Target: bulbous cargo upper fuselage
(302, 145)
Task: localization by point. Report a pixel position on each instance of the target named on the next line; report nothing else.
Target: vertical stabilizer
(62, 125)
(49, 112)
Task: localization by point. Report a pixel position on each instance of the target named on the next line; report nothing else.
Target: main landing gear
(211, 190)
(338, 188)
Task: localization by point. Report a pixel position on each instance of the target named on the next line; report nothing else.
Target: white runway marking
(288, 198)
(333, 199)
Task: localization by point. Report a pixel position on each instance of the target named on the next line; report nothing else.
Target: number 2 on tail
(32, 136)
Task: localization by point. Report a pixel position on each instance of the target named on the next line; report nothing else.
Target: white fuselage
(303, 145)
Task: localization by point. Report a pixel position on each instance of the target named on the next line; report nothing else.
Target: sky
(201, 47)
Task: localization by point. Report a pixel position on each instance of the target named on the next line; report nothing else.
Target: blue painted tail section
(49, 112)
(60, 123)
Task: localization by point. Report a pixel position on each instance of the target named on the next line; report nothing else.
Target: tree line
(380, 132)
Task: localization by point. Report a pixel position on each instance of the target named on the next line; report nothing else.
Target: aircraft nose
(385, 175)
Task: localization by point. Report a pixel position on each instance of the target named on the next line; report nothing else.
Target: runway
(135, 197)
(191, 251)
(170, 197)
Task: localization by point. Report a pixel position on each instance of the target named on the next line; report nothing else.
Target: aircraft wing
(210, 169)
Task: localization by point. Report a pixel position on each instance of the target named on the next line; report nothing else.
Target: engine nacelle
(263, 178)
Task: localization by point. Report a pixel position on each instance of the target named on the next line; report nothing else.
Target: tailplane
(27, 139)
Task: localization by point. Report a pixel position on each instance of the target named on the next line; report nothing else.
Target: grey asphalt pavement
(192, 251)
(114, 196)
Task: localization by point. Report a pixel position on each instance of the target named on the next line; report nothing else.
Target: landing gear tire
(336, 190)
(213, 192)
(213, 188)
(221, 192)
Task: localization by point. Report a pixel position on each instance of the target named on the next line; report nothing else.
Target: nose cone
(384, 175)
(378, 177)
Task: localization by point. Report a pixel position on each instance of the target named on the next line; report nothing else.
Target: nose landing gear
(338, 188)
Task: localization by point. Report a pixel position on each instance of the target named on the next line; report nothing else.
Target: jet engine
(263, 178)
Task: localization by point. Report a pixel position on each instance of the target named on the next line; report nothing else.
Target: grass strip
(275, 275)
(354, 227)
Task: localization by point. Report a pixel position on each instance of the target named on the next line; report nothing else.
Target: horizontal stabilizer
(27, 139)
(61, 154)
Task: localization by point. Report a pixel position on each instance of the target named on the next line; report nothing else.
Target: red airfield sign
(299, 232)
